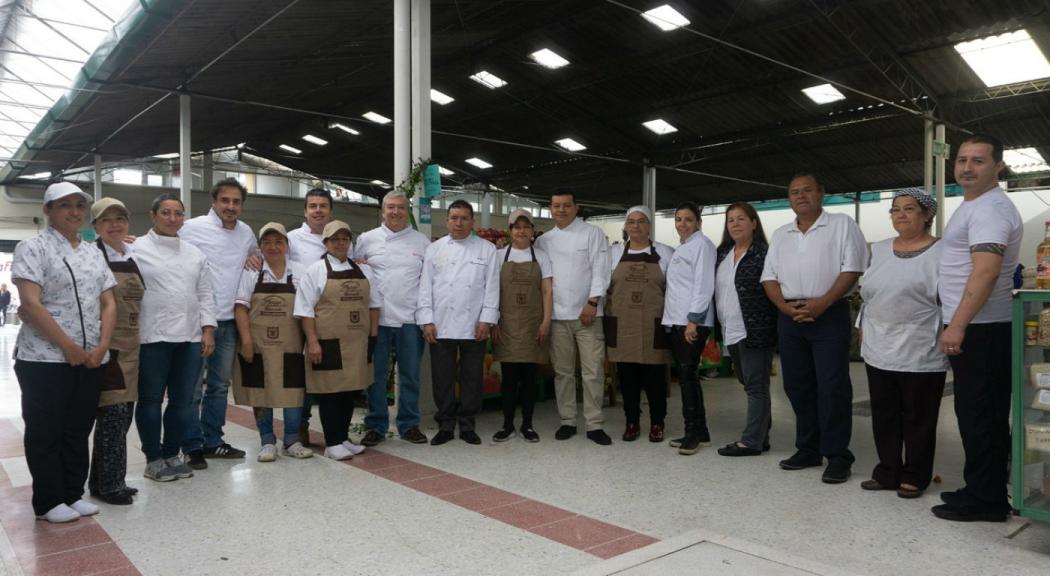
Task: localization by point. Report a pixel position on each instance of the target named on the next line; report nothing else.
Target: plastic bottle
(1042, 262)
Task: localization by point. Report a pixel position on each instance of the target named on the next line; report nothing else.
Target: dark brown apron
(120, 376)
(520, 312)
(633, 310)
(276, 376)
(343, 325)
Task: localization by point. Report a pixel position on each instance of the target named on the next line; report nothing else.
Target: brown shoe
(656, 433)
(873, 484)
(631, 433)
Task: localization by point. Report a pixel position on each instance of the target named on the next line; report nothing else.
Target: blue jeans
(208, 414)
(408, 345)
(175, 367)
(264, 422)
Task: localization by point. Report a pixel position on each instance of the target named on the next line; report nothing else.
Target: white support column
(649, 188)
(856, 207)
(98, 177)
(207, 171)
(402, 90)
(928, 161)
(940, 163)
(420, 92)
(486, 207)
(185, 165)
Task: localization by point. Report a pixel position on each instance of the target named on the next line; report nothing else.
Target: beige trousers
(566, 335)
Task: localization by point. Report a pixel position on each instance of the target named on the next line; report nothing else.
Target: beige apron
(120, 376)
(520, 312)
(633, 310)
(343, 325)
(276, 376)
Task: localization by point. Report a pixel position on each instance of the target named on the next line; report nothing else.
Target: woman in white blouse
(900, 324)
(176, 329)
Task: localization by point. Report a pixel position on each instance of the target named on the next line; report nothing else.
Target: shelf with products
(1031, 408)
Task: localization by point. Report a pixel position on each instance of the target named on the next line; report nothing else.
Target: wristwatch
(594, 302)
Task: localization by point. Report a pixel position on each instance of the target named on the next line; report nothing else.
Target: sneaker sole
(161, 478)
(798, 466)
(688, 452)
(512, 435)
(827, 480)
(270, 459)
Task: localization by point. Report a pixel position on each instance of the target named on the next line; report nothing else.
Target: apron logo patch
(636, 297)
(133, 319)
(273, 306)
(273, 332)
(350, 290)
(522, 299)
(355, 317)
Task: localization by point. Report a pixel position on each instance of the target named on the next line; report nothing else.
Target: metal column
(649, 188)
(402, 90)
(941, 160)
(420, 78)
(928, 161)
(207, 171)
(98, 177)
(486, 207)
(185, 165)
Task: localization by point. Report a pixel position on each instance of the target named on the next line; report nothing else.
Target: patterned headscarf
(920, 196)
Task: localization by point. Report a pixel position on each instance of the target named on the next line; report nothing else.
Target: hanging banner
(431, 182)
(424, 211)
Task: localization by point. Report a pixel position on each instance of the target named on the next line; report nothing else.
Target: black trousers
(687, 361)
(518, 385)
(58, 406)
(904, 411)
(982, 407)
(109, 454)
(450, 359)
(637, 377)
(337, 409)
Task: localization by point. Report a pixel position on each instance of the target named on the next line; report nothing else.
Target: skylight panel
(291, 149)
(380, 183)
(570, 144)
(665, 18)
(440, 97)
(475, 161)
(660, 126)
(167, 156)
(344, 128)
(38, 176)
(315, 140)
(1023, 160)
(488, 80)
(549, 58)
(445, 171)
(823, 94)
(376, 117)
(1005, 59)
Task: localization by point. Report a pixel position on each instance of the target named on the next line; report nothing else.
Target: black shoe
(565, 432)
(766, 447)
(441, 437)
(118, 498)
(224, 451)
(967, 513)
(529, 434)
(371, 438)
(598, 437)
(129, 490)
(414, 436)
(470, 437)
(689, 445)
(503, 435)
(955, 498)
(195, 459)
(734, 449)
(800, 460)
(836, 473)
(676, 442)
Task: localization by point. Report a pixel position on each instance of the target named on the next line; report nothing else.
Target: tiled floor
(514, 507)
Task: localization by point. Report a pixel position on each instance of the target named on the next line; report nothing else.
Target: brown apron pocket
(331, 355)
(112, 373)
(661, 338)
(609, 324)
(252, 375)
(294, 370)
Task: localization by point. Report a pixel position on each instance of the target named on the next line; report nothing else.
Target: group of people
(303, 318)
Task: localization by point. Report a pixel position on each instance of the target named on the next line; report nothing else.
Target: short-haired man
(304, 243)
(227, 243)
(458, 304)
(395, 252)
(579, 255)
(982, 244)
(813, 263)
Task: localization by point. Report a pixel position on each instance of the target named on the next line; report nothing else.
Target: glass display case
(1031, 404)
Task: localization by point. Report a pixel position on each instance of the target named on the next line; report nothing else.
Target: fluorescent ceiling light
(241, 145)
(570, 144)
(444, 171)
(440, 97)
(488, 80)
(380, 183)
(665, 18)
(479, 163)
(38, 176)
(377, 118)
(315, 140)
(823, 94)
(167, 156)
(659, 126)
(290, 149)
(549, 58)
(1005, 59)
(1023, 160)
(344, 128)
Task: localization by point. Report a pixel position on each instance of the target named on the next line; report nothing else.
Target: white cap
(99, 208)
(643, 209)
(63, 189)
(334, 226)
(519, 213)
(273, 227)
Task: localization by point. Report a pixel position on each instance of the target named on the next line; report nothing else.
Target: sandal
(909, 493)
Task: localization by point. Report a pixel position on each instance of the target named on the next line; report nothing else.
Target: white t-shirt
(991, 218)
(663, 250)
(315, 278)
(525, 255)
(249, 278)
(727, 301)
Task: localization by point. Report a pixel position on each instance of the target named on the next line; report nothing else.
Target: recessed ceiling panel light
(315, 140)
(479, 163)
(444, 171)
(823, 94)
(488, 79)
(344, 128)
(167, 156)
(380, 183)
(1023, 160)
(570, 144)
(291, 149)
(38, 176)
(440, 97)
(1005, 59)
(549, 58)
(659, 126)
(665, 18)
(376, 117)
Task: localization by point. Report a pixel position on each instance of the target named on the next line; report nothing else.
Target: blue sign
(431, 182)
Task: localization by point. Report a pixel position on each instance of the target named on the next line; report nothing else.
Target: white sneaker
(60, 514)
(297, 450)
(338, 452)
(268, 453)
(354, 449)
(84, 508)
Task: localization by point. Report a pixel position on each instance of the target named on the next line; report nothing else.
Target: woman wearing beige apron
(339, 306)
(520, 338)
(270, 371)
(634, 338)
(120, 378)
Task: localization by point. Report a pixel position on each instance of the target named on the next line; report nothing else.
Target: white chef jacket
(249, 278)
(691, 282)
(807, 265)
(396, 259)
(580, 258)
(459, 286)
(305, 247)
(178, 299)
(313, 281)
(226, 251)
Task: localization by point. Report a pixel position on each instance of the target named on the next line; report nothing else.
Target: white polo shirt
(459, 286)
(396, 259)
(807, 265)
(305, 247)
(580, 260)
(226, 250)
(691, 282)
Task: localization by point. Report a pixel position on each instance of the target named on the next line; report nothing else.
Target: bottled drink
(1042, 262)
